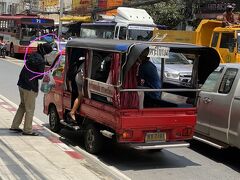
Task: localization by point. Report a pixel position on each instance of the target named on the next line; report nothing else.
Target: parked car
(57, 47)
(178, 69)
(218, 122)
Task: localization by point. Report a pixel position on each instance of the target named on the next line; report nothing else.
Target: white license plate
(158, 136)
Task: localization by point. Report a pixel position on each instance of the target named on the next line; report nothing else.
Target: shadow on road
(125, 158)
(228, 157)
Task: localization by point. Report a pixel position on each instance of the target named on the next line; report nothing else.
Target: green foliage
(169, 13)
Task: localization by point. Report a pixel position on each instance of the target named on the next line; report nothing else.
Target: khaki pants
(27, 107)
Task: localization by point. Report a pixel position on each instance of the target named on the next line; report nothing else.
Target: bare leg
(75, 107)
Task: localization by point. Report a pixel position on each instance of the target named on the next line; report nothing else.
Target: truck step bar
(75, 128)
(149, 146)
(209, 141)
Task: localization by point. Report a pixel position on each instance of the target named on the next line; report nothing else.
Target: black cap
(45, 48)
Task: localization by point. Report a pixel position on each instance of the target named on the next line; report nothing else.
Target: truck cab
(128, 24)
(226, 40)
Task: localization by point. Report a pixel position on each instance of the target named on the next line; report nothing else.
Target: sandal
(16, 129)
(30, 134)
(70, 119)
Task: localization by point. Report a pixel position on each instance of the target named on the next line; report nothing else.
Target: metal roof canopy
(209, 58)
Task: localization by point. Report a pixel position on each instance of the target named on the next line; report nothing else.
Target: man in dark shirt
(148, 76)
(28, 89)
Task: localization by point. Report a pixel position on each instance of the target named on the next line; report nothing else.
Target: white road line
(111, 169)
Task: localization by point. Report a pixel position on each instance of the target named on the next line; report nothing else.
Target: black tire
(54, 122)
(93, 139)
(11, 53)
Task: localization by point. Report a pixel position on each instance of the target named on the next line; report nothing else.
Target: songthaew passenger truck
(226, 40)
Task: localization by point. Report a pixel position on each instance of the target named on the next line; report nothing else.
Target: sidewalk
(42, 157)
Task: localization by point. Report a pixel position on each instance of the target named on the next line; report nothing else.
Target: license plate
(158, 136)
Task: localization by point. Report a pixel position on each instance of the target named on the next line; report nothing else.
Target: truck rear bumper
(148, 146)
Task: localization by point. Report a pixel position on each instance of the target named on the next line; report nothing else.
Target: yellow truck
(226, 40)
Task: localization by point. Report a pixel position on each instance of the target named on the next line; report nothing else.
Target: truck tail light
(127, 134)
(187, 132)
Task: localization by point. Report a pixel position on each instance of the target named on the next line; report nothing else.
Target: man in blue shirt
(148, 76)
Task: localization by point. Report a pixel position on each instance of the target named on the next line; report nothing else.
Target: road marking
(54, 138)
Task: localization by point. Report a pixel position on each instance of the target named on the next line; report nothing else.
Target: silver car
(178, 69)
(218, 122)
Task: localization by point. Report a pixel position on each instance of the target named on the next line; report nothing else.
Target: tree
(169, 13)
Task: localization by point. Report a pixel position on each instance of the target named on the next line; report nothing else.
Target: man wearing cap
(228, 16)
(28, 89)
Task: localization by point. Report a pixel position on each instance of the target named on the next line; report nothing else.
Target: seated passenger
(148, 76)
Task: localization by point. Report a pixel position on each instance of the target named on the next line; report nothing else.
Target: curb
(38, 125)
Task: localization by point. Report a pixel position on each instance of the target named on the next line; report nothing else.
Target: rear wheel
(54, 121)
(93, 139)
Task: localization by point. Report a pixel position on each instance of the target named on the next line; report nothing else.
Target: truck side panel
(234, 124)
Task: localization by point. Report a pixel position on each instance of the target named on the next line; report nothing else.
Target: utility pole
(60, 22)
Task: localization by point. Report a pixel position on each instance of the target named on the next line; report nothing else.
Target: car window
(174, 58)
(212, 80)
(227, 80)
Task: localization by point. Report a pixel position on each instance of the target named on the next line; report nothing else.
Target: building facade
(212, 9)
(18, 6)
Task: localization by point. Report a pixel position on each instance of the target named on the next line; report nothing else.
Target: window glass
(227, 80)
(97, 31)
(101, 64)
(227, 40)
(212, 80)
(141, 33)
(215, 39)
(122, 33)
(174, 58)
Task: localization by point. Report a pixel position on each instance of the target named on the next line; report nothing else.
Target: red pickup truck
(114, 106)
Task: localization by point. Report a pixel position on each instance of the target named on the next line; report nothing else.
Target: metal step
(75, 128)
(210, 141)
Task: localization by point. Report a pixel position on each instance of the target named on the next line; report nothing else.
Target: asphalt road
(199, 162)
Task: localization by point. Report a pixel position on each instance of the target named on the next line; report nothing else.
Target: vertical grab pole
(162, 73)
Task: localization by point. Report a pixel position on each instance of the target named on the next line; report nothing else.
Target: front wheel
(93, 139)
(54, 121)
